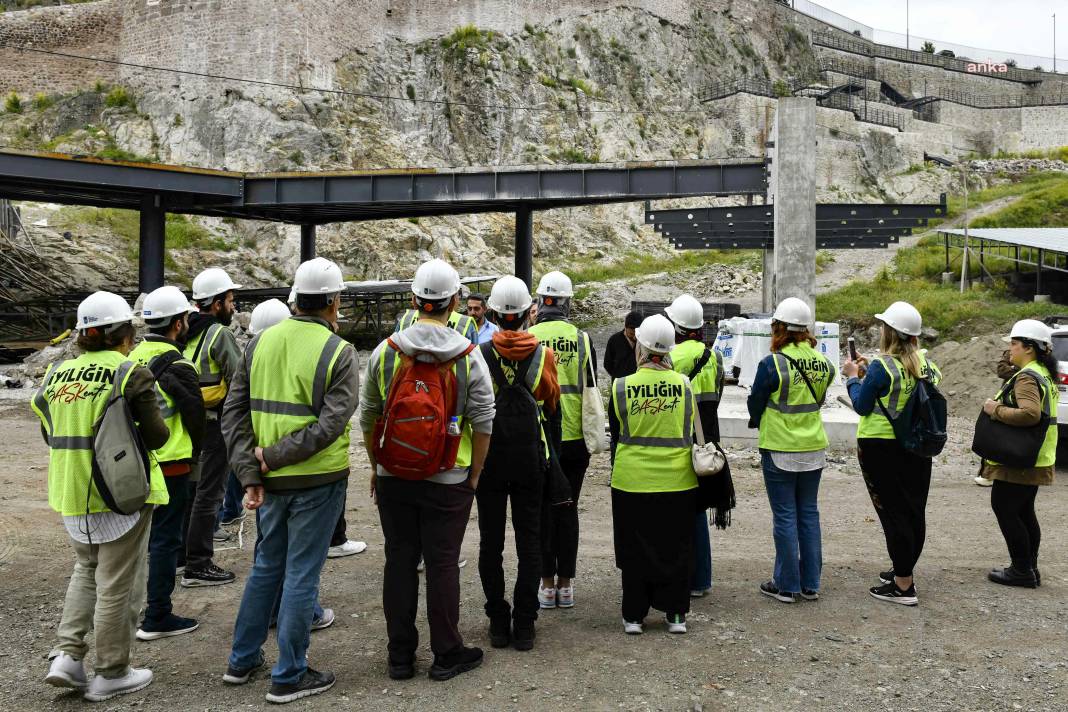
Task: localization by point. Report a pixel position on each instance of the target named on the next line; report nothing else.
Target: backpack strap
(462, 376)
(493, 361)
(701, 362)
(807, 382)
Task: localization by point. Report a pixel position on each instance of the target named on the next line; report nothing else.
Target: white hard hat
(509, 296)
(212, 282)
(165, 302)
(103, 309)
(794, 313)
(656, 334)
(267, 314)
(435, 280)
(902, 317)
(318, 276)
(686, 312)
(555, 284)
(1031, 329)
(292, 296)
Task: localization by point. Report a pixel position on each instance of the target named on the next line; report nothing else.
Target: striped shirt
(100, 527)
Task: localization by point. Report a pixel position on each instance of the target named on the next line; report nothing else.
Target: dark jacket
(619, 356)
(225, 351)
(180, 382)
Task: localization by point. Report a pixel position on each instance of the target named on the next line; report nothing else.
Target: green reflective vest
(389, 361)
(902, 383)
(1047, 456)
(69, 403)
(791, 422)
(179, 445)
(460, 322)
(655, 410)
(209, 373)
(708, 383)
(571, 347)
(290, 369)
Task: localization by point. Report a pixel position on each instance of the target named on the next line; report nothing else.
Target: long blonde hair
(904, 348)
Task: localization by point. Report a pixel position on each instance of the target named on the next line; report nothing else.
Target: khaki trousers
(105, 594)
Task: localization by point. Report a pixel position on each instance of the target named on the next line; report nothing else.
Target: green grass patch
(1045, 207)
(637, 264)
(118, 98)
(13, 104)
(1030, 182)
(182, 233)
(465, 38)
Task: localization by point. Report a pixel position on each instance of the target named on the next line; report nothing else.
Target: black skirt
(653, 533)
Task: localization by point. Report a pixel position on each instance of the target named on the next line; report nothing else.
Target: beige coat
(1028, 412)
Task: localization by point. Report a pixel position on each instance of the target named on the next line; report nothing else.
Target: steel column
(524, 245)
(151, 244)
(307, 242)
(1038, 274)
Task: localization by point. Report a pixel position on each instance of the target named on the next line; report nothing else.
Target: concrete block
(839, 421)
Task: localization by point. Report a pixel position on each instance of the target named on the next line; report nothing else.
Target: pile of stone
(1017, 165)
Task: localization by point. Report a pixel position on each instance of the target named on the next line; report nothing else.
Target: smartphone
(852, 348)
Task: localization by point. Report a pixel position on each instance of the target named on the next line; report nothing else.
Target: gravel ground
(969, 645)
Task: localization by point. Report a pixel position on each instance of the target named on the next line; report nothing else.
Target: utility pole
(1054, 43)
(907, 25)
(964, 261)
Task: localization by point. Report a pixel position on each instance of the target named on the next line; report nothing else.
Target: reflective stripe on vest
(209, 373)
(572, 370)
(1047, 454)
(875, 425)
(686, 355)
(791, 421)
(179, 445)
(460, 323)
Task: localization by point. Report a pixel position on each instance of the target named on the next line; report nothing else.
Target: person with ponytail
(898, 481)
(1021, 402)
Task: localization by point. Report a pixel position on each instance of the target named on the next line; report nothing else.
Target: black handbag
(1006, 444)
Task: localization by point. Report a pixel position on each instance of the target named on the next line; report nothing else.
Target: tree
(1010, 62)
(928, 47)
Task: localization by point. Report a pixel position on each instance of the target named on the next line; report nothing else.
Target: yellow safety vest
(212, 384)
(461, 323)
(791, 422)
(179, 445)
(708, 383)
(1047, 456)
(902, 383)
(572, 350)
(69, 403)
(655, 411)
(291, 366)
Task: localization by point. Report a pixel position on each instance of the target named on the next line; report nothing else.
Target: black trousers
(163, 545)
(898, 483)
(339, 536)
(560, 538)
(208, 495)
(420, 517)
(1014, 507)
(640, 594)
(495, 490)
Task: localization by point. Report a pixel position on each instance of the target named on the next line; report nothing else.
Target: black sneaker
(239, 676)
(1038, 579)
(221, 535)
(890, 593)
(234, 519)
(448, 666)
(768, 588)
(1011, 576)
(210, 576)
(810, 595)
(886, 576)
(523, 635)
(168, 627)
(312, 683)
(500, 631)
(401, 670)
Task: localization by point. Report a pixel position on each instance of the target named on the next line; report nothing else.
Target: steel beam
(151, 244)
(684, 243)
(307, 242)
(824, 211)
(687, 231)
(524, 245)
(912, 223)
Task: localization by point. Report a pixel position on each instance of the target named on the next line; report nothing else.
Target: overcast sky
(1024, 26)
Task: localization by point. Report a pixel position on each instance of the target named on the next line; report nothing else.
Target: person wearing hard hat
(166, 315)
(788, 391)
(267, 314)
(619, 358)
(898, 481)
(654, 487)
(524, 375)
(108, 583)
(462, 323)
(425, 508)
(704, 367)
(1026, 398)
(286, 422)
(576, 367)
(213, 350)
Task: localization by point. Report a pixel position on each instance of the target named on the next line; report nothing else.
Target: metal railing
(757, 86)
(863, 110)
(852, 67)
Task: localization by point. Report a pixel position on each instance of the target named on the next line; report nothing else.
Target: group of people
(496, 407)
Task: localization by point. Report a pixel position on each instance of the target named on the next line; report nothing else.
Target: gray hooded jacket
(431, 342)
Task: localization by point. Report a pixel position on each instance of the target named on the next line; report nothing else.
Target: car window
(1060, 346)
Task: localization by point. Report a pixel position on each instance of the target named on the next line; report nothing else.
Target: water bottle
(454, 426)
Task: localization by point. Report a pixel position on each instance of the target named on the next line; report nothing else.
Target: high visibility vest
(465, 325)
(179, 445)
(656, 412)
(708, 383)
(791, 422)
(572, 350)
(291, 366)
(209, 373)
(389, 360)
(902, 383)
(533, 379)
(69, 403)
(1047, 455)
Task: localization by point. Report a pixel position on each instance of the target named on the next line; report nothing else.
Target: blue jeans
(164, 543)
(702, 549)
(317, 612)
(231, 506)
(296, 535)
(795, 526)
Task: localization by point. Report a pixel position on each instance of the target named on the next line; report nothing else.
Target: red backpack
(412, 439)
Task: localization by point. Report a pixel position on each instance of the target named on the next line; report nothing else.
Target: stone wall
(86, 30)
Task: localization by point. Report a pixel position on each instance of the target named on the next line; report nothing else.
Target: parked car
(1060, 350)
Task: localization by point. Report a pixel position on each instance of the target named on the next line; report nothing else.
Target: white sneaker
(565, 597)
(326, 621)
(546, 597)
(676, 623)
(983, 482)
(65, 671)
(421, 566)
(349, 548)
(632, 628)
(699, 592)
(102, 688)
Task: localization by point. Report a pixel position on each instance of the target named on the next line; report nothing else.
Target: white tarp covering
(745, 342)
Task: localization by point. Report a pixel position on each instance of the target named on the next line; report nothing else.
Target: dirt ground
(970, 645)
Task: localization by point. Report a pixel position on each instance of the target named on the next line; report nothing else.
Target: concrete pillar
(151, 244)
(767, 302)
(307, 242)
(792, 187)
(524, 245)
